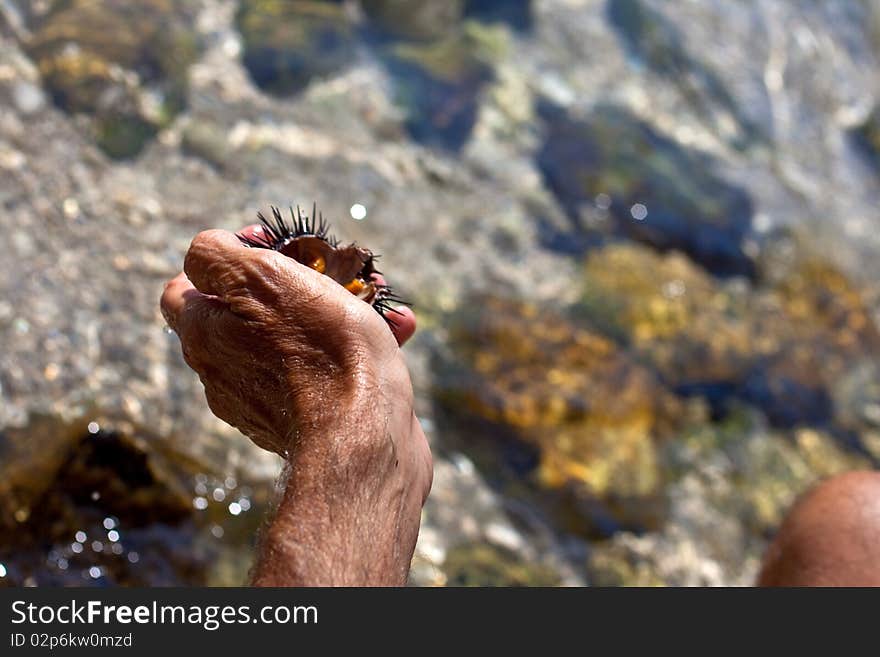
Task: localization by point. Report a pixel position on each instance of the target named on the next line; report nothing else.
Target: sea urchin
(307, 240)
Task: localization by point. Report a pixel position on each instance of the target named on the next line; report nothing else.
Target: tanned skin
(306, 370)
(831, 537)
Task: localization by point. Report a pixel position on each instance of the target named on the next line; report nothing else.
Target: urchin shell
(307, 239)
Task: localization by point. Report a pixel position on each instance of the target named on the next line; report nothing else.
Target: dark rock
(439, 83)
(660, 193)
(416, 20)
(516, 13)
(287, 44)
(98, 507)
(866, 139)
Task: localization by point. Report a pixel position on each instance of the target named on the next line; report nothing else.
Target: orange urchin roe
(356, 286)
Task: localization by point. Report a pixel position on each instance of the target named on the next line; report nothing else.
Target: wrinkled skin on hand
(307, 370)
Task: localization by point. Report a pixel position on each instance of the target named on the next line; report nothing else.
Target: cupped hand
(306, 369)
(274, 342)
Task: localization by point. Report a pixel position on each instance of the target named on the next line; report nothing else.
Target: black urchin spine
(385, 296)
(277, 232)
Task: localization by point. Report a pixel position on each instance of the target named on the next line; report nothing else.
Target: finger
(403, 321)
(403, 324)
(253, 232)
(173, 299)
(212, 262)
(191, 315)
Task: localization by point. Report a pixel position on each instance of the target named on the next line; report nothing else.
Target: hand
(307, 370)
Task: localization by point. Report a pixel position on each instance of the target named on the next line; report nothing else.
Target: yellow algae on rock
(593, 414)
(780, 345)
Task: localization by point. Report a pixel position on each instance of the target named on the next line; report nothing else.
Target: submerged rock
(782, 346)
(287, 44)
(481, 564)
(655, 191)
(593, 415)
(83, 505)
(417, 20)
(122, 64)
(866, 138)
(439, 83)
(655, 42)
(519, 14)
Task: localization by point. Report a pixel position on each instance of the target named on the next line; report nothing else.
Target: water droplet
(234, 508)
(217, 531)
(603, 201)
(230, 483)
(80, 536)
(71, 208)
(109, 523)
(219, 495)
(2, 570)
(358, 212)
(97, 546)
(231, 47)
(76, 548)
(133, 557)
(94, 572)
(244, 503)
(113, 535)
(639, 212)
(94, 428)
(200, 503)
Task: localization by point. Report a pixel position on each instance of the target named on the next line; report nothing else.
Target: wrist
(359, 403)
(350, 489)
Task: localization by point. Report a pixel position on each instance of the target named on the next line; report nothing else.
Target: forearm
(349, 512)
(313, 541)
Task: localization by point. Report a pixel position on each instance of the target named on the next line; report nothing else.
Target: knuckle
(230, 276)
(271, 269)
(199, 248)
(207, 240)
(204, 251)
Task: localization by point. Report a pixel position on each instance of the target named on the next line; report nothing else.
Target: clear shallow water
(640, 238)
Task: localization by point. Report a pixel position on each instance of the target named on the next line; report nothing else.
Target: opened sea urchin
(307, 240)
